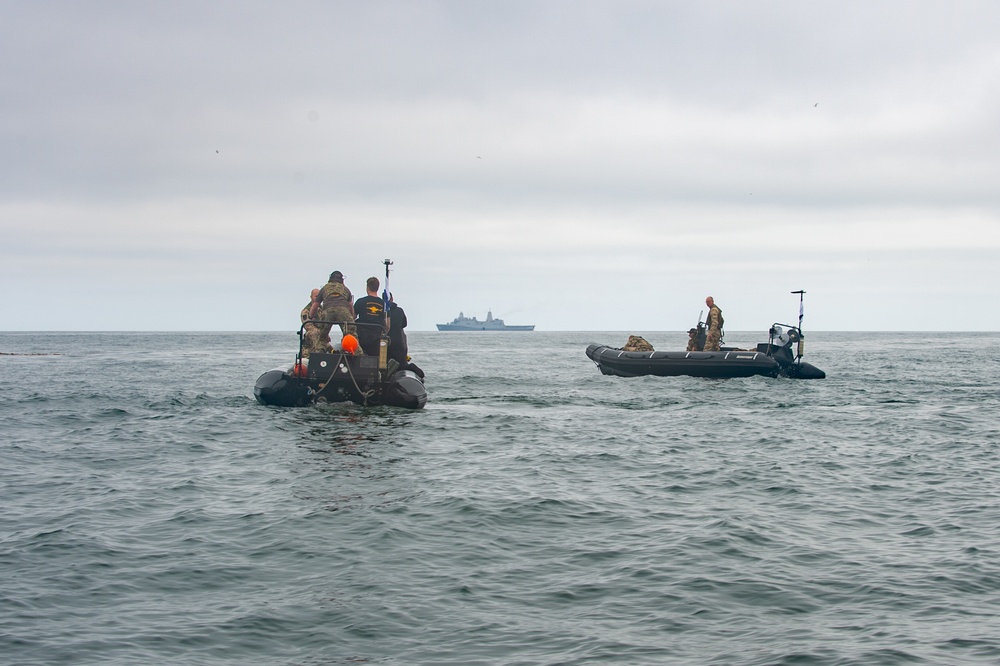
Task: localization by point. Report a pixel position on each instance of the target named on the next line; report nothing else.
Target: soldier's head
(372, 286)
(709, 301)
(336, 276)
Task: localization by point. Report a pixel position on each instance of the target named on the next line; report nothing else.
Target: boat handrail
(302, 329)
(330, 321)
(794, 335)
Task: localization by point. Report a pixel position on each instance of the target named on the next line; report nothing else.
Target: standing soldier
(714, 322)
(315, 337)
(335, 304)
(370, 310)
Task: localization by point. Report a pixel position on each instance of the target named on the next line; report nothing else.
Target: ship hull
(483, 327)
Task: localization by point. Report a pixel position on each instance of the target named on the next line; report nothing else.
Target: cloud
(226, 157)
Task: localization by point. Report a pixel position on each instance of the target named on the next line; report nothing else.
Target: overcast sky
(576, 165)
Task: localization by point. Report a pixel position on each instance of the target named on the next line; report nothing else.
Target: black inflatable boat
(341, 377)
(774, 358)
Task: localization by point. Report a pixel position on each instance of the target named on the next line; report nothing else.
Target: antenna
(801, 346)
(385, 287)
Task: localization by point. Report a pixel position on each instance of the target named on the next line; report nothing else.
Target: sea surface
(536, 512)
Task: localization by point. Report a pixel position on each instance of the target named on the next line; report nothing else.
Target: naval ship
(463, 323)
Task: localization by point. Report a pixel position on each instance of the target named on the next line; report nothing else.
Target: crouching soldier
(637, 343)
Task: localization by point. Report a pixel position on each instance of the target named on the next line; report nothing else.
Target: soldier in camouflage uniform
(336, 304)
(315, 337)
(637, 343)
(714, 322)
(693, 339)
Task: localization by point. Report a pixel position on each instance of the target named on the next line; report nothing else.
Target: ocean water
(536, 512)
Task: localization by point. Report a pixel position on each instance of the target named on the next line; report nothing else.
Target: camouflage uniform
(714, 335)
(637, 343)
(335, 303)
(692, 340)
(315, 337)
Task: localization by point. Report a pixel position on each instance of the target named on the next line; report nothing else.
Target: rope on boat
(298, 359)
(364, 394)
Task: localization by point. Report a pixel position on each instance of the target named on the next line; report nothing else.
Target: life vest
(708, 320)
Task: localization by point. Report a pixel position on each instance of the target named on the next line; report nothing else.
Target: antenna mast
(802, 345)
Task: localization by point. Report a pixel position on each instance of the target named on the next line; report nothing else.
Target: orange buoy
(299, 370)
(349, 343)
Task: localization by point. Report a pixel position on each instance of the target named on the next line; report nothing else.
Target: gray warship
(463, 323)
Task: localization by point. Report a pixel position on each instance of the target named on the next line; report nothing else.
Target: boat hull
(491, 323)
(484, 327)
(723, 364)
(340, 378)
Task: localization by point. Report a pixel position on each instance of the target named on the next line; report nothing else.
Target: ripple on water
(154, 513)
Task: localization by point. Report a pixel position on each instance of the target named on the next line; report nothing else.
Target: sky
(577, 165)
